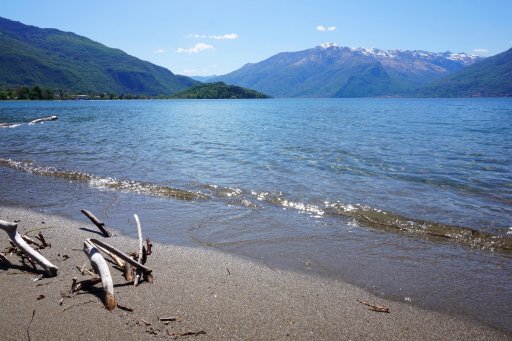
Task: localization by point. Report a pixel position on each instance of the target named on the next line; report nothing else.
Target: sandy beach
(211, 295)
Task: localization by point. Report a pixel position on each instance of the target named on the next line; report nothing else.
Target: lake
(408, 198)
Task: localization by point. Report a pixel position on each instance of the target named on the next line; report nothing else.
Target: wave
(364, 215)
(361, 215)
(103, 182)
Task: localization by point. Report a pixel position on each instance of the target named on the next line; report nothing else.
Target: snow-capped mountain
(330, 70)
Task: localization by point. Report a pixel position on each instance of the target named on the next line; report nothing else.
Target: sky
(202, 38)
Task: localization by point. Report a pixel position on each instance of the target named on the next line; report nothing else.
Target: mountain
(330, 70)
(62, 60)
(218, 90)
(203, 78)
(491, 77)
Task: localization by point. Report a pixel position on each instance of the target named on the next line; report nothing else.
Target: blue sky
(196, 37)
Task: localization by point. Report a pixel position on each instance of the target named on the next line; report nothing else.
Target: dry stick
(98, 223)
(12, 232)
(77, 303)
(147, 271)
(138, 273)
(149, 246)
(42, 239)
(373, 307)
(126, 268)
(121, 263)
(100, 266)
(31, 241)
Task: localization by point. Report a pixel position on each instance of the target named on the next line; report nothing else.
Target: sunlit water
(409, 198)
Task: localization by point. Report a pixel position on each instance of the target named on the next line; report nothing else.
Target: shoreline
(212, 294)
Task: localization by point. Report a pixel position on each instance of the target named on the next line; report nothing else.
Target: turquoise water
(409, 198)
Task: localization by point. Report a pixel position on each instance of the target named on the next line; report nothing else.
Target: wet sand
(212, 295)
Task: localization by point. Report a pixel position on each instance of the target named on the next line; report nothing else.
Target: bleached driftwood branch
(100, 266)
(138, 272)
(97, 222)
(12, 231)
(43, 119)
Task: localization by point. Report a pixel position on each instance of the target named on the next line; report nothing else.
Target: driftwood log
(100, 266)
(12, 231)
(98, 223)
(43, 119)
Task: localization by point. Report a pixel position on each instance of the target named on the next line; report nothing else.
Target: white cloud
(321, 28)
(480, 51)
(159, 51)
(195, 35)
(199, 47)
(229, 36)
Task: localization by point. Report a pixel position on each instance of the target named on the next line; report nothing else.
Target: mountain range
(62, 60)
(330, 70)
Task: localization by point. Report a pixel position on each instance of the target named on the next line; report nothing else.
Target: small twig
(149, 246)
(167, 319)
(77, 303)
(145, 322)
(377, 308)
(124, 308)
(38, 278)
(188, 333)
(43, 240)
(29, 240)
(40, 228)
(28, 327)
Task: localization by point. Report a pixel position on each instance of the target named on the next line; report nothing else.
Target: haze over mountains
(62, 60)
(65, 61)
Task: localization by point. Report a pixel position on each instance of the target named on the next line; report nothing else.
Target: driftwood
(98, 223)
(149, 246)
(7, 125)
(100, 266)
(138, 272)
(17, 239)
(43, 240)
(119, 262)
(377, 308)
(43, 119)
(145, 270)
